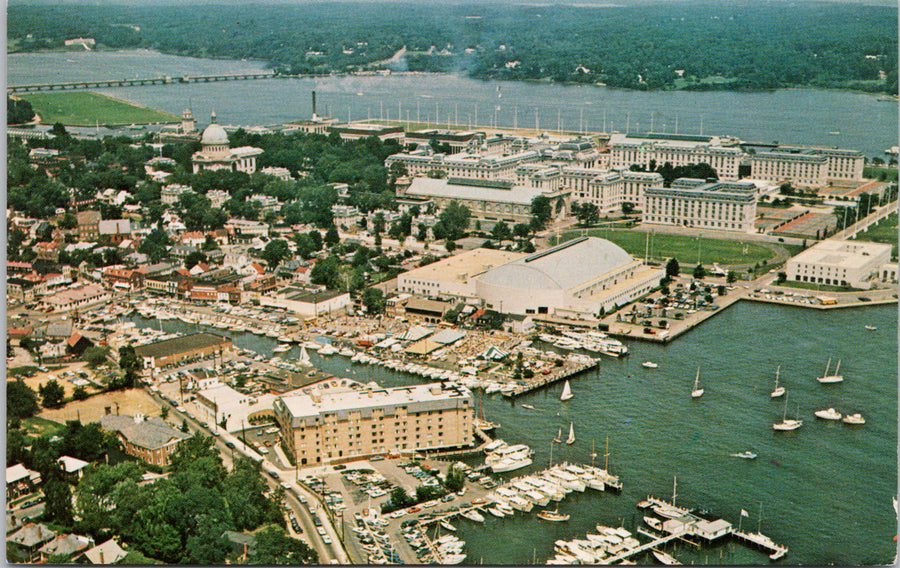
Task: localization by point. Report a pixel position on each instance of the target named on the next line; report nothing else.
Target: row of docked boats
(600, 547)
(592, 341)
(446, 549)
(502, 457)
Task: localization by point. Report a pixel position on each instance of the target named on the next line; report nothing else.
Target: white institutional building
(857, 264)
(722, 153)
(216, 155)
(720, 206)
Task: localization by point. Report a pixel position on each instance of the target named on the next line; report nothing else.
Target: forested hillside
(665, 45)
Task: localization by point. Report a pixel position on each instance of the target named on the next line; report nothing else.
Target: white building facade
(856, 264)
(720, 206)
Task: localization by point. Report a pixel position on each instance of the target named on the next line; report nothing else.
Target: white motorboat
(508, 464)
(521, 504)
(832, 378)
(829, 414)
(566, 392)
(553, 516)
(854, 419)
(697, 392)
(871, 327)
(327, 349)
(315, 346)
(281, 348)
(496, 512)
(473, 515)
(653, 523)
(446, 525)
(779, 391)
(649, 365)
(665, 558)
(747, 455)
(528, 406)
(346, 352)
(494, 446)
(786, 423)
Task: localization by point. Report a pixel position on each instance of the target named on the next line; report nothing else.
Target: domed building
(216, 155)
(574, 278)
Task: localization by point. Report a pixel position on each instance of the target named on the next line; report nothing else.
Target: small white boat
(446, 524)
(473, 515)
(649, 365)
(871, 327)
(779, 391)
(496, 512)
(346, 352)
(281, 348)
(555, 516)
(528, 406)
(697, 392)
(571, 438)
(665, 558)
(829, 414)
(854, 419)
(834, 377)
(747, 455)
(653, 523)
(566, 392)
(558, 438)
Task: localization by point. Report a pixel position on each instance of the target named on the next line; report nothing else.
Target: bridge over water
(166, 80)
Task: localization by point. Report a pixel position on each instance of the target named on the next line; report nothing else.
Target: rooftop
(843, 254)
(180, 345)
(475, 190)
(151, 433)
(463, 266)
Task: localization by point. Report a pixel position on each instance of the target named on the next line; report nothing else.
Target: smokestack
(314, 105)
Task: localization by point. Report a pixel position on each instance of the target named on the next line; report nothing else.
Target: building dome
(214, 135)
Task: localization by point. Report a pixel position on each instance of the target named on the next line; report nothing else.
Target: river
(798, 116)
(824, 490)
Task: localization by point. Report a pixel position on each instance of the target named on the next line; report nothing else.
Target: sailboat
(571, 438)
(786, 424)
(779, 391)
(566, 392)
(558, 438)
(303, 359)
(697, 392)
(835, 378)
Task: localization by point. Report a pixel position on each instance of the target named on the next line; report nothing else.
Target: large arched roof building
(576, 277)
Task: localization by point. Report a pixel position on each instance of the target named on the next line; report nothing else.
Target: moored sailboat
(697, 392)
(571, 438)
(787, 424)
(566, 392)
(832, 378)
(779, 391)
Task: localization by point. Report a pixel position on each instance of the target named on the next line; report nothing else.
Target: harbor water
(824, 490)
(858, 121)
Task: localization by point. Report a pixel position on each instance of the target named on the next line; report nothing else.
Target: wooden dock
(762, 541)
(545, 380)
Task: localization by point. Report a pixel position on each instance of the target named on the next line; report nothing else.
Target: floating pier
(762, 541)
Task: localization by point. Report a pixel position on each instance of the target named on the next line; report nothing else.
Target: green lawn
(682, 247)
(85, 108)
(885, 231)
(37, 426)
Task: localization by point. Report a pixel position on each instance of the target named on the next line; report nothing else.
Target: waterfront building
(857, 264)
(352, 420)
(77, 298)
(571, 280)
(720, 206)
(453, 277)
(170, 352)
(219, 401)
(457, 140)
(149, 438)
(488, 201)
(306, 302)
(807, 166)
(722, 153)
(216, 155)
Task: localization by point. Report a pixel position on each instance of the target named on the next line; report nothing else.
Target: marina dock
(762, 541)
(545, 380)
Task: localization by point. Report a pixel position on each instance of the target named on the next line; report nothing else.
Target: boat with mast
(833, 378)
(571, 438)
(697, 392)
(555, 516)
(558, 438)
(787, 424)
(779, 391)
(566, 392)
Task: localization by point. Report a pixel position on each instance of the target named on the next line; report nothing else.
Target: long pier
(166, 80)
(537, 383)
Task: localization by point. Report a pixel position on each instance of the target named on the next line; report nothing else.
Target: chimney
(314, 117)
(101, 557)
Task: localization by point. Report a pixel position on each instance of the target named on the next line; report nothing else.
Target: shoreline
(270, 65)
